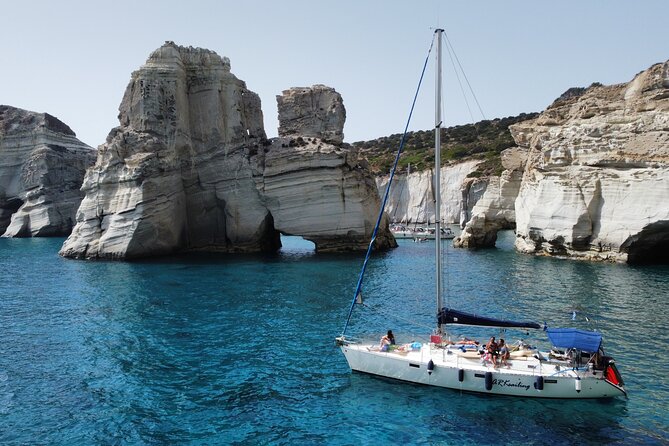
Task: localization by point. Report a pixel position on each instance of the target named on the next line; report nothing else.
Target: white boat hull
(520, 379)
(420, 235)
(445, 236)
(403, 234)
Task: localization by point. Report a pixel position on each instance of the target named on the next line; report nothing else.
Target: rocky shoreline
(595, 180)
(189, 168)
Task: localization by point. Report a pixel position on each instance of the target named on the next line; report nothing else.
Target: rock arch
(190, 169)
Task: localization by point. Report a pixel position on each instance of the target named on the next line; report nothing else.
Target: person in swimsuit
(504, 352)
(387, 340)
(491, 349)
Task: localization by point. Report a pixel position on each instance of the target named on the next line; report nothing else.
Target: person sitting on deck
(491, 351)
(504, 352)
(386, 341)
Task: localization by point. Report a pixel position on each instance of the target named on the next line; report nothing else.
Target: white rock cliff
(42, 166)
(597, 178)
(320, 192)
(495, 207)
(411, 198)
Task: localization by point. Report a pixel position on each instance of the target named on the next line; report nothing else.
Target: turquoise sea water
(239, 350)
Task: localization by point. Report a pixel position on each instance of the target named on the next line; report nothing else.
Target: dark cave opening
(650, 246)
(7, 209)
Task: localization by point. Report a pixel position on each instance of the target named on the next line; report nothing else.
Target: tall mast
(437, 174)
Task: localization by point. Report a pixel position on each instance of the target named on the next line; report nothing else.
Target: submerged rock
(42, 166)
(190, 169)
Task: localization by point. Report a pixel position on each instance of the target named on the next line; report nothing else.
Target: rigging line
(448, 42)
(385, 195)
(457, 76)
(399, 200)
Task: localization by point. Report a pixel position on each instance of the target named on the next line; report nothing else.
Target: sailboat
(420, 232)
(575, 367)
(430, 233)
(402, 231)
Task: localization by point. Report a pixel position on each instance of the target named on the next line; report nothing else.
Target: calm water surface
(239, 350)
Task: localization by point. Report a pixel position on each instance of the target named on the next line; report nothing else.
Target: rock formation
(317, 111)
(494, 199)
(42, 165)
(597, 178)
(471, 190)
(190, 168)
(313, 185)
(320, 192)
(411, 198)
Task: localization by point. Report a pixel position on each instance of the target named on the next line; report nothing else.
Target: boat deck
(529, 373)
(522, 362)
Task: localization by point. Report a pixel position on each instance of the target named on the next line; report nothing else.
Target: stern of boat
(613, 376)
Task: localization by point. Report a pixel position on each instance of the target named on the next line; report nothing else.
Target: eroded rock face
(411, 198)
(316, 111)
(494, 208)
(176, 174)
(597, 178)
(190, 168)
(320, 192)
(42, 166)
(472, 190)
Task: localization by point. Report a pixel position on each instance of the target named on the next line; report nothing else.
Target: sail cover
(588, 341)
(449, 316)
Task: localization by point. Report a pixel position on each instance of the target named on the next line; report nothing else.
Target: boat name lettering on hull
(508, 383)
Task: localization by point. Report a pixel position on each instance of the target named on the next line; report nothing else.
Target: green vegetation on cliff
(483, 140)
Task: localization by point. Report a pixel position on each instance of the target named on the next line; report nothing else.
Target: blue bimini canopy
(588, 341)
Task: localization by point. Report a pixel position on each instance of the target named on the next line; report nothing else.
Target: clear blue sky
(73, 59)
